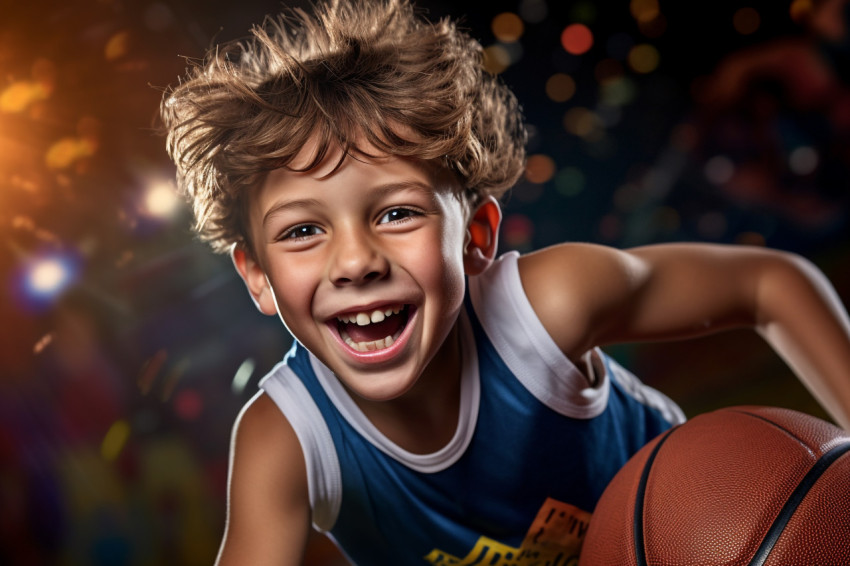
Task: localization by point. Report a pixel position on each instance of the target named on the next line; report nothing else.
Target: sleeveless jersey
(537, 442)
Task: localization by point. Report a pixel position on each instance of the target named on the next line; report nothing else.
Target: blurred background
(127, 347)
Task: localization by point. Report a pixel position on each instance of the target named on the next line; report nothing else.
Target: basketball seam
(780, 427)
(637, 523)
(794, 500)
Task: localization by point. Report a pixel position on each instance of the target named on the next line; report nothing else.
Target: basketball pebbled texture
(760, 486)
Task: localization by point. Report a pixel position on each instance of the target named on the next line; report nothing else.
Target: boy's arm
(588, 295)
(268, 512)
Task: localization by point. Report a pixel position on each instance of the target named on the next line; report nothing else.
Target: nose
(356, 259)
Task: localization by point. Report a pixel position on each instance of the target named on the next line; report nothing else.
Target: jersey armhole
(324, 478)
(507, 317)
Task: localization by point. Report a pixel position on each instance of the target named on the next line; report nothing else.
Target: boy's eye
(397, 214)
(302, 231)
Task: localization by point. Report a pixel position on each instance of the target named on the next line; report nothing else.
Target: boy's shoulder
(260, 424)
(571, 287)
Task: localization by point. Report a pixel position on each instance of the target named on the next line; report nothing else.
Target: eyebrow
(380, 191)
(279, 207)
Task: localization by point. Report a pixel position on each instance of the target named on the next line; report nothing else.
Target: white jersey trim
(470, 396)
(643, 393)
(324, 478)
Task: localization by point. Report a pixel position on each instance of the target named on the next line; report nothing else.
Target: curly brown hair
(375, 70)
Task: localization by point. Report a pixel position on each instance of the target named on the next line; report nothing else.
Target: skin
(386, 231)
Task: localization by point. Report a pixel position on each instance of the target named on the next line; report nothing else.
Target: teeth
(369, 346)
(364, 318)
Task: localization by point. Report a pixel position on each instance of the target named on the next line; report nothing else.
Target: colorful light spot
(161, 200)
(618, 92)
(560, 87)
(569, 181)
(800, 10)
(66, 151)
(644, 10)
(577, 39)
(539, 168)
(188, 404)
(517, 231)
(496, 59)
(18, 96)
(117, 46)
(643, 58)
(746, 20)
(803, 160)
(507, 27)
(582, 122)
(243, 374)
(115, 440)
(719, 169)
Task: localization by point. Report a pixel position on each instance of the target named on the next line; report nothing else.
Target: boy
(440, 405)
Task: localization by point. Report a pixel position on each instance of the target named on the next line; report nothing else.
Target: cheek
(294, 286)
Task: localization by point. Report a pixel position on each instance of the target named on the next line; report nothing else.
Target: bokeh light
(539, 168)
(799, 10)
(644, 58)
(496, 59)
(719, 169)
(115, 440)
(560, 87)
(21, 94)
(67, 151)
(618, 92)
(582, 122)
(517, 231)
(242, 376)
(746, 20)
(188, 404)
(570, 181)
(577, 39)
(803, 160)
(644, 10)
(507, 27)
(48, 276)
(117, 46)
(44, 278)
(161, 200)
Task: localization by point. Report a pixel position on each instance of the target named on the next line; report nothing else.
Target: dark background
(119, 383)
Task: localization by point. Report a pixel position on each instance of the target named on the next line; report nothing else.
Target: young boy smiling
(440, 404)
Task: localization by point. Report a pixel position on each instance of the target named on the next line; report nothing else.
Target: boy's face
(365, 266)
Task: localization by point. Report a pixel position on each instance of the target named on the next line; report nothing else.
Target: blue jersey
(537, 442)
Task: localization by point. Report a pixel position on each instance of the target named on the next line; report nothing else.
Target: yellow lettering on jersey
(554, 539)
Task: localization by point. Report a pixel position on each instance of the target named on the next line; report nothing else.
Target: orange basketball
(739, 486)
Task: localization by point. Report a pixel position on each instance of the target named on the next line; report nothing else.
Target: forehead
(362, 166)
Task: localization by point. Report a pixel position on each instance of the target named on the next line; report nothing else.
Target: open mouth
(373, 330)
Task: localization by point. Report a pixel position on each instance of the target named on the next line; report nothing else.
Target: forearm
(803, 319)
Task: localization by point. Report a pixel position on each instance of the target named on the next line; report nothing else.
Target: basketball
(738, 486)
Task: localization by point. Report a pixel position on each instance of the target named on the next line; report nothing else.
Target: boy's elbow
(788, 285)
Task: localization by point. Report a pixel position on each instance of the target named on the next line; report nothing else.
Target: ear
(482, 236)
(255, 279)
